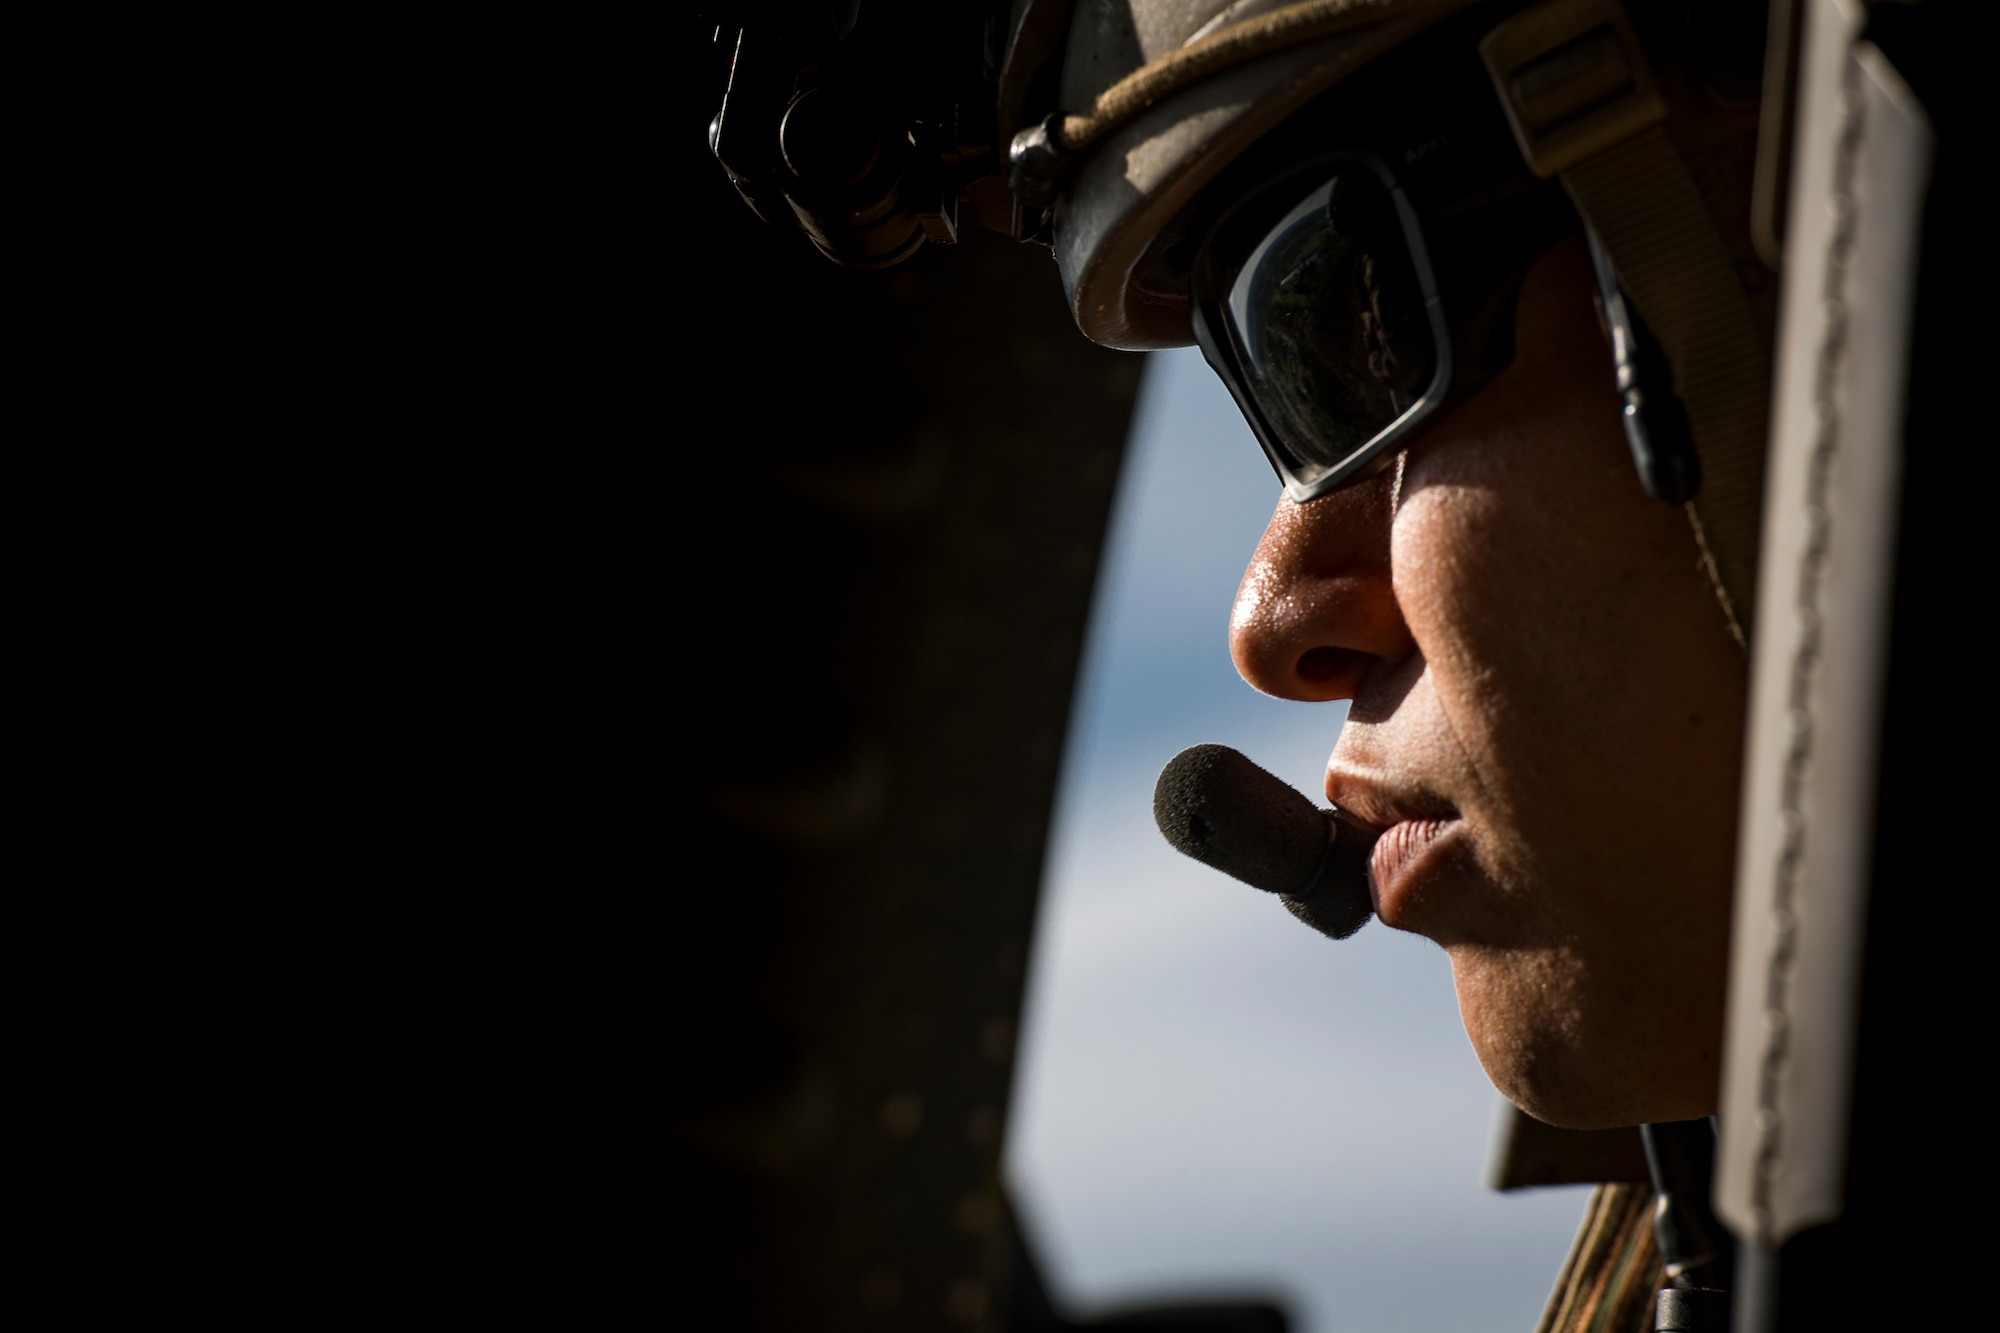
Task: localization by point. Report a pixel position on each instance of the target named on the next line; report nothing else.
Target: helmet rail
(1040, 155)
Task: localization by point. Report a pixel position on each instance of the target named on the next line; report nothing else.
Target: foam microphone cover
(1215, 805)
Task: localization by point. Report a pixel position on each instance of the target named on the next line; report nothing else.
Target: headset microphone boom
(1215, 805)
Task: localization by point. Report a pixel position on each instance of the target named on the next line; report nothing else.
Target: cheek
(1445, 563)
(1530, 565)
(1478, 585)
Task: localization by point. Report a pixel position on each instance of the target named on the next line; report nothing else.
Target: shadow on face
(1547, 716)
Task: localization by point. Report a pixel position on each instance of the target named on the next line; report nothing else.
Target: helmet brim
(1127, 190)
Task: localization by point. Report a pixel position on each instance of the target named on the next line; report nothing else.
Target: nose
(1316, 612)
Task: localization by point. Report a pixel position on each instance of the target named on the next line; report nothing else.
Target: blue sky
(1212, 1098)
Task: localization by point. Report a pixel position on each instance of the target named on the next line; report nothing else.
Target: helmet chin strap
(1656, 421)
(1643, 207)
(1585, 109)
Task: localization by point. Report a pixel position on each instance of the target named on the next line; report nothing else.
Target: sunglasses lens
(1331, 329)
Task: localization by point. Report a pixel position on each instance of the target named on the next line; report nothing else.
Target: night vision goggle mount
(869, 137)
(873, 138)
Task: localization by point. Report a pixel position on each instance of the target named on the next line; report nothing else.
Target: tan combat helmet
(1160, 102)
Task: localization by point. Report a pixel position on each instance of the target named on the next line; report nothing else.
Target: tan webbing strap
(1607, 1284)
(1581, 99)
(1640, 200)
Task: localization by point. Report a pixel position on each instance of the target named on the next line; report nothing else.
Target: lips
(1400, 857)
(1412, 837)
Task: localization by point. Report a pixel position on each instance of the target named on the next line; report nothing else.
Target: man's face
(1546, 721)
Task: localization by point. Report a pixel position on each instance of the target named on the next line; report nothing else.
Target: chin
(1568, 1108)
(1577, 1106)
(1556, 1088)
(1532, 1029)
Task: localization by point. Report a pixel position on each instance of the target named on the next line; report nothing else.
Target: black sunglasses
(1345, 311)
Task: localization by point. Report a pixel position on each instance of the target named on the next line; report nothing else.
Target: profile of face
(1546, 721)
